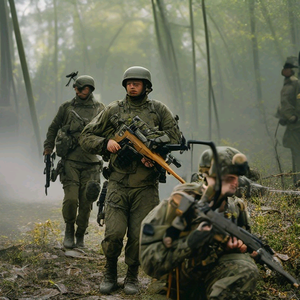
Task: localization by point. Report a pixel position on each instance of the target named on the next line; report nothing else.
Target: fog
(104, 38)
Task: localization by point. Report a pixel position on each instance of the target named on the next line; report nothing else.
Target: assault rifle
(208, 203)
(252, 188)
(133, 136)
(49, 165)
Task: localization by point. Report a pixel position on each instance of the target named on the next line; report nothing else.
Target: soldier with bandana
(132, 189)
(199, 262)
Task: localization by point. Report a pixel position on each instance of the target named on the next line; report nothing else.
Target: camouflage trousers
(234, 277)
(74, 177)
(125, 208)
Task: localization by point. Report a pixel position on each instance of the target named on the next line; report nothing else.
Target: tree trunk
(23, 61)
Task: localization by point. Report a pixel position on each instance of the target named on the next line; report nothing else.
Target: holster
(59, 169)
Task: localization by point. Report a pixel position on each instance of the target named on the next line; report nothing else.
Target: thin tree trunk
(5, 72)
(269, 22)
(172, 55)
(258, 77)
(23, 61)
(195, 94)
(292, 21)
(84, 41)
(229, 53)
(210, 90)
(55, 55)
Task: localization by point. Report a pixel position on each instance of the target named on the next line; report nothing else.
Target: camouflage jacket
(95, 136)
(157, 260)
(86, 110)
(290, 106)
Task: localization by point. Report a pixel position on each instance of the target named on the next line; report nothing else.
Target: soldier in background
(132, 189)
(288, 113)
(205, 262)
(79, 171)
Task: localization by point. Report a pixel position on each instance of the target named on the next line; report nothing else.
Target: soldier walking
(80, 171)
(132, 189)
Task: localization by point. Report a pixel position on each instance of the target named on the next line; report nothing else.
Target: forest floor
(34, 265)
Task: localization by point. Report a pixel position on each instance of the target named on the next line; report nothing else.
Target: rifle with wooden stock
(136, 139)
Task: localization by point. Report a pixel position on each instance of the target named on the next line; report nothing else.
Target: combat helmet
(231, 161)
(291, 62)
(83, 81)
(137, 72)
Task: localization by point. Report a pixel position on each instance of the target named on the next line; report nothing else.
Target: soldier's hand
(113, 146)
(234, 243)
(147, 162)
(47, 151)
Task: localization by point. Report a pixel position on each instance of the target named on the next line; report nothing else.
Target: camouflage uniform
(206, 269)
(79, 168)
(290, 106)
(132, 189)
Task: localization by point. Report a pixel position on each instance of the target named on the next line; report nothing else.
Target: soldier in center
(132, 189)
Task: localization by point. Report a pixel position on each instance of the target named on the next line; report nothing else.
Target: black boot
(69, 236)
(80, 237)
(109, 282)
(131, 284)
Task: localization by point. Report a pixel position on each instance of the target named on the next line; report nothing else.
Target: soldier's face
(134, 87)
(82, 94)
(229, 184)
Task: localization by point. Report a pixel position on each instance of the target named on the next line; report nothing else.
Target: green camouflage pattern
(75, 178)
(78, 167)
(96, 134)
(87, 110)
(121, 202)
(132, 190)
(221, 274)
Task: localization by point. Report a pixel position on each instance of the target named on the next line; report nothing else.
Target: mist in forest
(104, 38)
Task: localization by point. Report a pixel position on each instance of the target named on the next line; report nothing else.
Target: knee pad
(92, 190)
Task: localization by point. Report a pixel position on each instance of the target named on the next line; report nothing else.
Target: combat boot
(131, 283)
(69, 236)
(109, 282)
(80, 237)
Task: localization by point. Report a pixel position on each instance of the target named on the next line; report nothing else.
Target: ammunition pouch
(125, 156)
(64, 141)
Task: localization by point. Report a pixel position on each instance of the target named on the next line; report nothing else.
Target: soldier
(288, 113)
(247, 187)
(205, 262)
(132, 189)
(79, 171)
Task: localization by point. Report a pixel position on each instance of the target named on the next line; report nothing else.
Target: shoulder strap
(153, 109)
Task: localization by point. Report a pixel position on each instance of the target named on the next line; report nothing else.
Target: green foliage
(44, 233)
